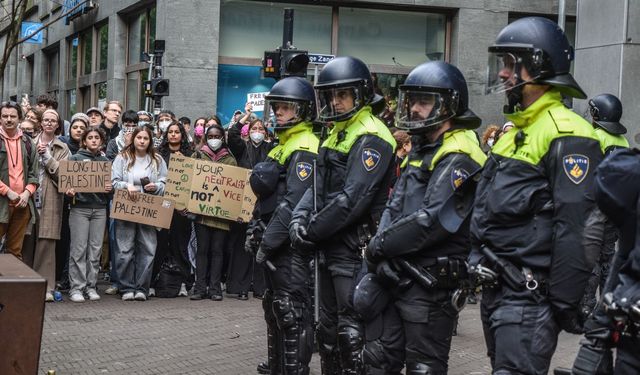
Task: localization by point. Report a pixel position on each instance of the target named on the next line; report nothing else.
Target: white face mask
(164, 125)
(490, 142)
(214, 144)
(143, 123)
(257, 137)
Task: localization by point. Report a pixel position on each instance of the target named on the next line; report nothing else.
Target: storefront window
(391, 37)
(248, 28)
(234, 83)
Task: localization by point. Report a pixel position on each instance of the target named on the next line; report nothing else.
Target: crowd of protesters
(68, 237)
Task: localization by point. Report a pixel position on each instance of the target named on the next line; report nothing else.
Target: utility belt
(442, 272)
(501, 271)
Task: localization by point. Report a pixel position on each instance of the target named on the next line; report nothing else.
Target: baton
(316, 257)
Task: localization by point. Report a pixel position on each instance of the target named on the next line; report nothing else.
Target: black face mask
(29, 134)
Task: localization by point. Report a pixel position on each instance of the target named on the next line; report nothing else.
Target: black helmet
(539, 45)
(344, 77)
(606, 111)
(442, 87)
(294, 93)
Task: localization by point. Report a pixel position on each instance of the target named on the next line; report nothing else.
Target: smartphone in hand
(144, 181)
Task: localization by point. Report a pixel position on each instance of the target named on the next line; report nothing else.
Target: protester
(28, 127)
(18, 179)
(403, 141)
(173, 242)
(165, 118)
(36, 117)
(490, 136)
(96, 117)
(137, 169)
(210, 231)
(88, 217)
(47, 199)
(198, 132)
(129, 125)
(112, 111)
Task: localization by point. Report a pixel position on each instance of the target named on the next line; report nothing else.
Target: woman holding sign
(137, 169)
(211, 232)
(88, 217)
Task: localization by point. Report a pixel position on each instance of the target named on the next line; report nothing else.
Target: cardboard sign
(149, 209)
(84, 176)
(219, 190)
(178, 187)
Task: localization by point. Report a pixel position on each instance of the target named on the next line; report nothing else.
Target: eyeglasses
(49, 121)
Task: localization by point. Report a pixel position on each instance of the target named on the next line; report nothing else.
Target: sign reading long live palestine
(148, 209)
(221, 191)
(83, 176)
(178, 185)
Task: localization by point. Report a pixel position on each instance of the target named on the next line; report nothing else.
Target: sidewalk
(179, 336)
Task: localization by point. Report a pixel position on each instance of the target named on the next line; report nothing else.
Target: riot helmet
(344, 87)
(540, 47)
(606, 111)
(433, 93)
(290, 101)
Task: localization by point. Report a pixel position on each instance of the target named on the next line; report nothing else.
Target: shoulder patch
(303, 170)
(576, 167)
(458, 176)
(370, 159)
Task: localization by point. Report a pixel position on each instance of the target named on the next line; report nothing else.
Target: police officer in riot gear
(533, 201)
(354, 173)
(412, 236)
(606, 111)
(279, 182)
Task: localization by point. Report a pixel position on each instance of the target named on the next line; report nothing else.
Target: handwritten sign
(84, 176)
(178, 187)
(257, 100)
(219, 190)
(149, 209)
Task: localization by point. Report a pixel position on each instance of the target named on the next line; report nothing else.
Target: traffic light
(285, 63)
(159, 87)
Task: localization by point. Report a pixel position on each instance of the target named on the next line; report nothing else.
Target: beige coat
(50, 220)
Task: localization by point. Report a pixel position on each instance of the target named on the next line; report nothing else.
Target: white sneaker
(76, 297)
(93, 295)
(152, 292)
(48, 297)
(128, 296)
(140, 296)
(112, 290)
(183, 291)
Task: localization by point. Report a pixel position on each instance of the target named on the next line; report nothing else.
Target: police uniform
(531, 207)
(354, 173)
(287, 304)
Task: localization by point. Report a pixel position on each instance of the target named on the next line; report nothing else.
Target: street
(180, 336)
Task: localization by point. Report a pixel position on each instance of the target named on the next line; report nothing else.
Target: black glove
(299, 237)
(372, 253)
(387, 275)
(569, 321)
(595, 356)
(261, 255)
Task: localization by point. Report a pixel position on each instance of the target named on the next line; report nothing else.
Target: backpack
(169, 279)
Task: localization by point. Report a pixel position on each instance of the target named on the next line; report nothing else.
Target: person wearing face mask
(129, 124)
(211, 232)
(490, 136)
(198, 132)
(165, 118)
(253, 151)
(144, 118)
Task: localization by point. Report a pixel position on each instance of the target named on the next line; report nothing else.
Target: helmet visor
(282, 113)
(420, 109)
(502, 72)
(337, 103)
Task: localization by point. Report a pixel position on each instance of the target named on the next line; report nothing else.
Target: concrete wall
(191, 28)
(608, 56)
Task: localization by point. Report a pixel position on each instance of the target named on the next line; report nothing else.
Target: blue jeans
(134, 259)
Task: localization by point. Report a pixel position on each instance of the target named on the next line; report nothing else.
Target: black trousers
(173, 243)
(628, 356)
(240, 270)
(209, 259)
(519, 330)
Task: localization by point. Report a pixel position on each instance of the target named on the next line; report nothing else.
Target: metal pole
(287, 30)
(147, 100)
(561, 13)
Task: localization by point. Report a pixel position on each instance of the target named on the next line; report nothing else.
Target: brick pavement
(179, 336)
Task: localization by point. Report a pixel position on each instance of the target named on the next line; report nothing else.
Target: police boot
(272, 366)
(329, 360)
(417, 368)
(350, 343)
(289, 316)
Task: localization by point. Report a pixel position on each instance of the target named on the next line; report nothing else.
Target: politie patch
(370, 159)
(458, 175)
(576, 167)
(303, 170)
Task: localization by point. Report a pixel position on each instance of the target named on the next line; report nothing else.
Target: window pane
(87, 45)
(248, 28)
(152, 27)
(72, 101)
(54, 63)
(73, 59)
(103, 40)
(136, 31)
(101, 91)
(391, 37)
(133, 92)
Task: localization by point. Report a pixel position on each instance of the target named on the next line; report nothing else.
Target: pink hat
(245, 131)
